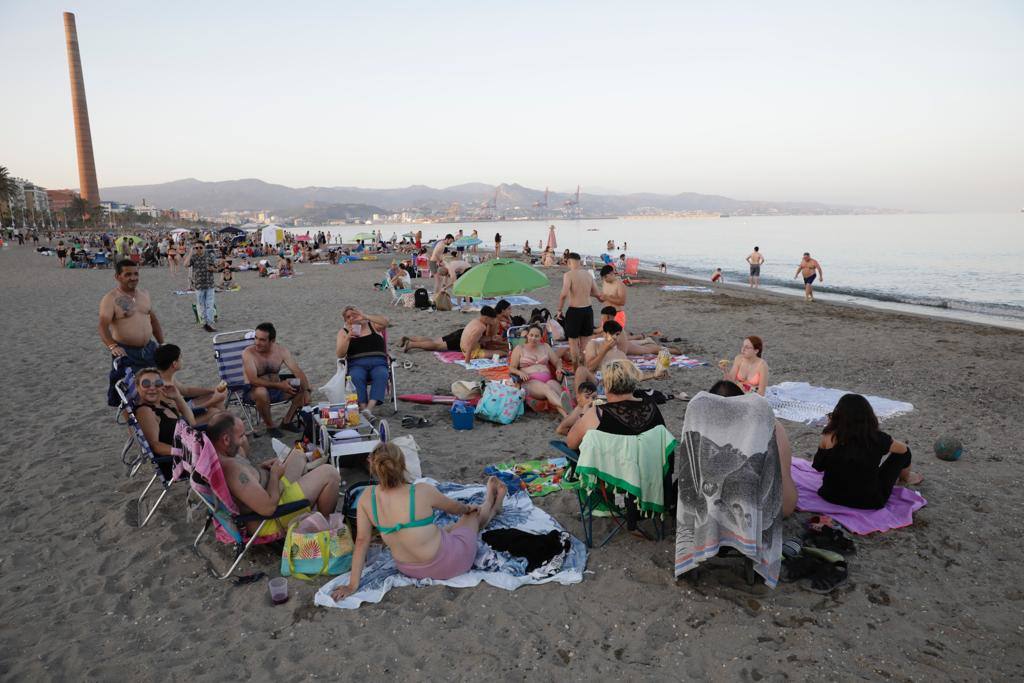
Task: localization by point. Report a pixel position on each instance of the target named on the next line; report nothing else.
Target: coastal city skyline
(883, 115)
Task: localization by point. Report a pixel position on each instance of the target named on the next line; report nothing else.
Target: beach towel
(458, 358)
(802, 402)
(536, 477)
(730, 485)
(898, 512)
(497, 569)
(681, 361)
(515, 300)
(686, 288)
(634, 464)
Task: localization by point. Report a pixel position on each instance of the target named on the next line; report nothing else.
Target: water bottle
(350, 391)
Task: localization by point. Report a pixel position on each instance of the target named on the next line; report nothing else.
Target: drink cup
(278, 590)
(295, 382)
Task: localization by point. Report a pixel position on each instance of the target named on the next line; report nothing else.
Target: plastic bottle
(664, 359)
(350, 391)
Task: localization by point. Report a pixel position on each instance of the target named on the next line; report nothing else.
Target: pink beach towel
(898, 512)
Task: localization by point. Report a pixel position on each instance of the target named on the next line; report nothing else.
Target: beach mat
(802, 402)
(680, 361)
(458, 358)
(686, 288)
(536, 477)
(495, 568)
(898, 512)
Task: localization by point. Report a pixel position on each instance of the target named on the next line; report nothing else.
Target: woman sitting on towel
(404, 514)
(361, 342)
(624, 413)
(748, 369)
(160, 408)
(861, 463)
(726, 388)
(540, 369)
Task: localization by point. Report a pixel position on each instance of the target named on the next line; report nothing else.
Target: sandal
(412, 421)
(799, 567)
(830, 577)
(831, 538)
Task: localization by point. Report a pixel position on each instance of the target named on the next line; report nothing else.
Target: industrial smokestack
(88, 187)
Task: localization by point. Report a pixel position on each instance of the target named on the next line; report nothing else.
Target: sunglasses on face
(151, 383)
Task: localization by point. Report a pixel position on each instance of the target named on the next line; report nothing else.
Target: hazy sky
(904, 104)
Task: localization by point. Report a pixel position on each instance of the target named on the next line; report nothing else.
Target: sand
(84, 594)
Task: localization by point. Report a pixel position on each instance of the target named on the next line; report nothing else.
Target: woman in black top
(860, 462)
(362, 344)
(161, 407)
(624, 413)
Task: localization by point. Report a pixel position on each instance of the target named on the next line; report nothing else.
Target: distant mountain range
(250, 194)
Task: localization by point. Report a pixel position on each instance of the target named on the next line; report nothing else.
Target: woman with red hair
(748, 369)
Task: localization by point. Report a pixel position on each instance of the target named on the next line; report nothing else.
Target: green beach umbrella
(467, 241)
(364, 236)
(499, 277)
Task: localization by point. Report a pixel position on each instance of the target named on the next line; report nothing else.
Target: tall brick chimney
(88, 187)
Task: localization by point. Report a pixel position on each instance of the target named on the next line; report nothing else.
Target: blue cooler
(462, 415)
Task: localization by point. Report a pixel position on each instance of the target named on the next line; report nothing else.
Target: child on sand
(717, 276)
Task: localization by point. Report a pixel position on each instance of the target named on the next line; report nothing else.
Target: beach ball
(949, 448)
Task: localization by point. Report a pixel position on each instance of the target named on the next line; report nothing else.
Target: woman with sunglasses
(160, 408)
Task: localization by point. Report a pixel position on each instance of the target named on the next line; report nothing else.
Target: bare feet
(913, 479)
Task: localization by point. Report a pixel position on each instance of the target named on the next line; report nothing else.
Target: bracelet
(111, 347)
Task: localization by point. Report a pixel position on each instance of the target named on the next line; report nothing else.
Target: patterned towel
(898, 512)
(536, 477)
(518, 512)
(681, 361)
(801, 402)
(459, 358)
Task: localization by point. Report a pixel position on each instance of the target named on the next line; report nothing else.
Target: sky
(901, 104)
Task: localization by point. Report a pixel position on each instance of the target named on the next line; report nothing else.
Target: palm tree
(7, 190)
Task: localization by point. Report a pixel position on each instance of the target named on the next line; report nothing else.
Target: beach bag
(501, 403)
(464, 389)
(315, 546)
(443, 302)
(411, 453)
(421, 298)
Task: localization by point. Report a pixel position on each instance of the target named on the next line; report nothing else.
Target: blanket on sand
(499, 569)
(459, 358)
(686, 288)
(536, 477)
(898, 512)
(802, 402)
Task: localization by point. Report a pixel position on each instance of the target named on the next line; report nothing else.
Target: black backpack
(420, 298)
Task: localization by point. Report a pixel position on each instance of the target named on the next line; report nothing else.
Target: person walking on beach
(497, 245)
(204, 268)
(578, 287)
(810, 269)
(436, 258)
(755, 260)
(128, 326)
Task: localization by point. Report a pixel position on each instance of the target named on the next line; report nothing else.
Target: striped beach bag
(315, 546)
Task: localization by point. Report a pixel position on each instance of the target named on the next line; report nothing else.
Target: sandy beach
(85, 595)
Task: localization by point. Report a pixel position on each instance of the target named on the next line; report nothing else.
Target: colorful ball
(949, 448)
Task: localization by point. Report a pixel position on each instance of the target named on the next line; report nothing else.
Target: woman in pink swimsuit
(533, 362)
(748, 369)
(404, 515)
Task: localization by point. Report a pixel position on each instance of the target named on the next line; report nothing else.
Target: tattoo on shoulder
(243, 478)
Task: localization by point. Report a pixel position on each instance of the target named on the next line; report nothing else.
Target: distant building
(113, 207)
(61, 200)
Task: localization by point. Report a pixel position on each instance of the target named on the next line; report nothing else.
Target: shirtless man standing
(261, 364)
(274, 482)
(577, 288)
(755, 260)
(436, 260)
(810, 269)
(614, 291)
(128, 326)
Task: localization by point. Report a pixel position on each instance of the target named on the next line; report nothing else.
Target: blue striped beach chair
(227, 350)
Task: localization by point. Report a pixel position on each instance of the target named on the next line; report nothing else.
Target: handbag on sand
(501, 403)
(315, 546)
(443, 302)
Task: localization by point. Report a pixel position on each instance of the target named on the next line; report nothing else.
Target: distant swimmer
(755, 260)
(810, 269)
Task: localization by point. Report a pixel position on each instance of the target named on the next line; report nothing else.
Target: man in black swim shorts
(449, 342)
(578, 286)
(810, 269)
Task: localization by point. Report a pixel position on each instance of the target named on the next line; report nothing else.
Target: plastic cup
(295, 382)
(278, 590)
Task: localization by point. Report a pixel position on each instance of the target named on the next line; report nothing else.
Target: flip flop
(831, 538)
(413, 422)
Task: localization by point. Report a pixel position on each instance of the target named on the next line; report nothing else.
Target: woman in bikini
(748, 369)
(533, 362)
(404, 514)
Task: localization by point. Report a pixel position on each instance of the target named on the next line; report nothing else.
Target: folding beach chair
(396, 294)
(517, 335)
(392, 383)
(100, 260)
(227, 350)
(618, 492)
(222, 512)
(632, 267)
(163, 465)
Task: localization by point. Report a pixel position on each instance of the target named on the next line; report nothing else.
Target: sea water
(965, 266)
